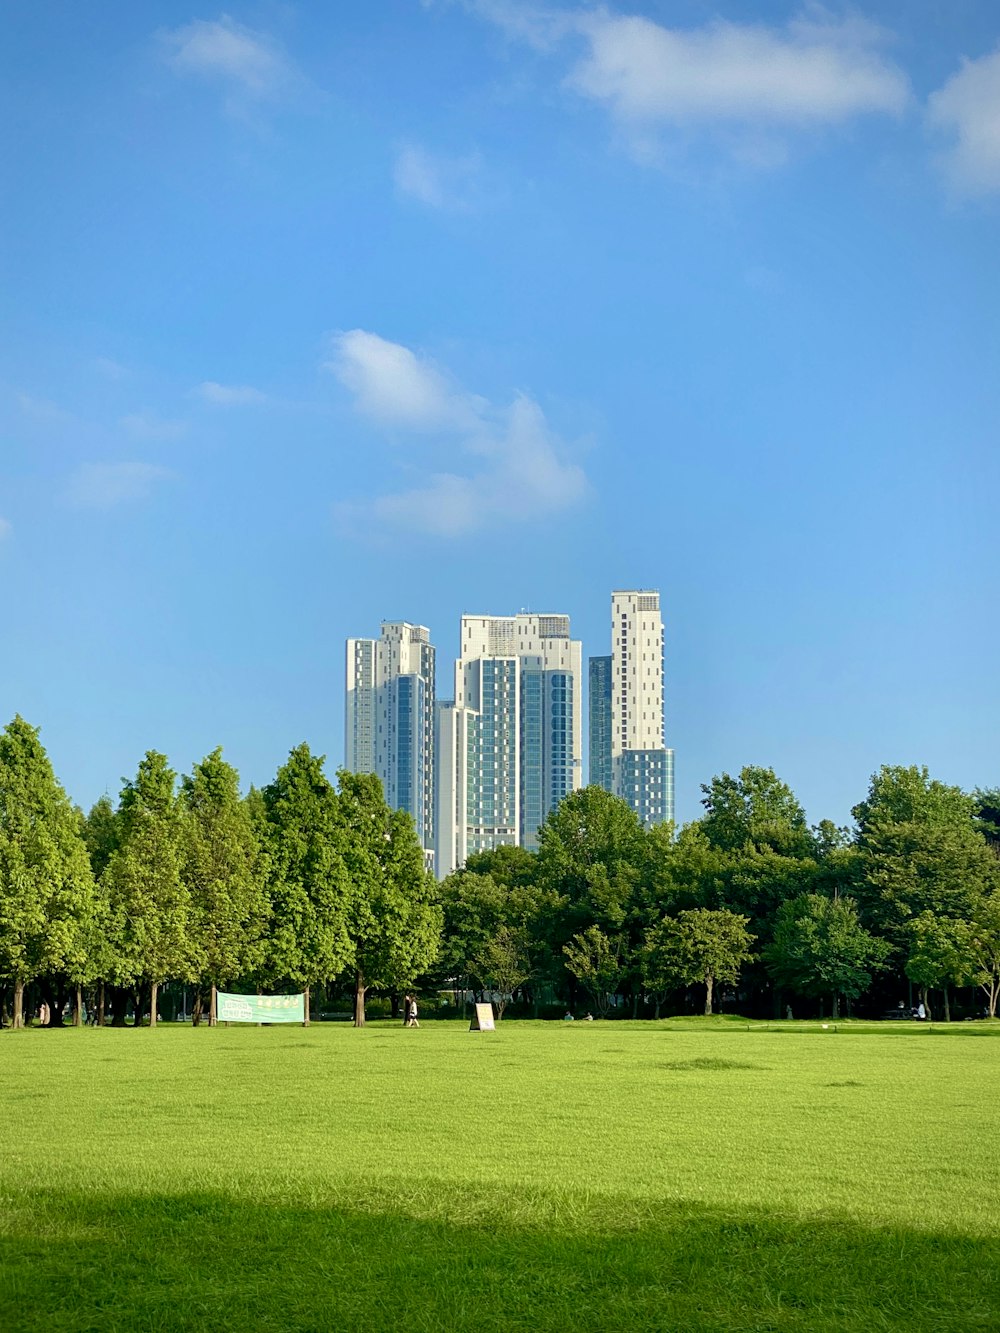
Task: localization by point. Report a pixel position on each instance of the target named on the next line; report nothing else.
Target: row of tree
(315, 886)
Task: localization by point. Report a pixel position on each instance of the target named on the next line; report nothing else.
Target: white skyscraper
(627, 752)
(389, 725)
(509, 745)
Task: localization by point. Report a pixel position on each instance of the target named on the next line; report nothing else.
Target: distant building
(627, 752)
(389, 724)
(509, 744)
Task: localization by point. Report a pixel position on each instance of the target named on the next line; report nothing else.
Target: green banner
(259, 1008)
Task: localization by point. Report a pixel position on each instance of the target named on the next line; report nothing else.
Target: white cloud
(967, 110)
(449, 183)
(807, 74)
(104, 485)
(520, 473)
(148, 426)
(5, 528)
(230, 395)
(248, 61)
(741, 80)
(397, 388)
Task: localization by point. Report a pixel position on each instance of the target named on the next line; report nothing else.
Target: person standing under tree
(411, 1013)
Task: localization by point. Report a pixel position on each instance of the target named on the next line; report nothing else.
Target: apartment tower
(509, 744)
(627, 752)
(389, 725)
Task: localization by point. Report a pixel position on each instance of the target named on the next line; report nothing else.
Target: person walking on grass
(411, 1013)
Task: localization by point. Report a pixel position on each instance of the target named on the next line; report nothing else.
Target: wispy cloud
(104, 485)
(149, 426)
(967, 110)
(229, 395)
(510, 466)
(109, 368)
(41, 409)
(750, 86)
(448, 183)
(247, 62)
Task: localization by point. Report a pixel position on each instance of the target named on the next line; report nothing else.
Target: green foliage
(224, 871)
(394, 922)
(310, 892)
(699, 945)
(984, 947)
(597, 963)
(47, 897)
(821, 948)
(149, 904)
(922, 851)
(502, 963)
(756, 809)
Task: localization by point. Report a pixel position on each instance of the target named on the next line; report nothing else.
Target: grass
(685, 1175)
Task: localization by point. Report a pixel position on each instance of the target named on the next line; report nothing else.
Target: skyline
(503, 305)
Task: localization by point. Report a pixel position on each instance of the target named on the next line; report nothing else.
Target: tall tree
(149, 903)
(820, 948)
(395, 921)
(310, 892)
(591, 854)
(224, 871)
(755, 808)
(922, 852)
(46, 886)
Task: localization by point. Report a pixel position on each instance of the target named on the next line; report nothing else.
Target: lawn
(604, 1176)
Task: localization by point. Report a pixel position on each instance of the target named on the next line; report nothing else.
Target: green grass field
(681, 1175)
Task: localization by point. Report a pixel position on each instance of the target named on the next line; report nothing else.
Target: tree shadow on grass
(450, 1259)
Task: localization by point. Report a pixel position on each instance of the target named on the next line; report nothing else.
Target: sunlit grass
(684, 1175)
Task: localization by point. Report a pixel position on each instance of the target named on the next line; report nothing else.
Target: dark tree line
(311, 885)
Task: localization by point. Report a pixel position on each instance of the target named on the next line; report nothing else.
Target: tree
(922, 851)
(309, 888)
(939, 954)
(590, 855)
(821, 948)
(757, 809)
(224, 870)
(47, 893)
(596, 962)
(502, 963)
(699, 945)
(394, 923)
(149, 903)
(985, 948)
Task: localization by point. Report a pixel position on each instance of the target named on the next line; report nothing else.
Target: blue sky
(318, 315)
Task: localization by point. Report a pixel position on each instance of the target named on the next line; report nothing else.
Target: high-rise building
(627, 753)
(509, 744)
(389, 726)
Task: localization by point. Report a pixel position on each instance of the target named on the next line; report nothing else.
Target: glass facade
(600, 722)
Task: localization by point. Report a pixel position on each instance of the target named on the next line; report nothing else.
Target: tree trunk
(709, 982)
(18, 1019)
(196, 1008)
(925, 1001)
(213, 1007)
(78, 1008)
(657, 1013)
(947, 1006)
(154, 988)
(835, 1007)
(100, 1005)
(306, 1020)
(359, 999)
